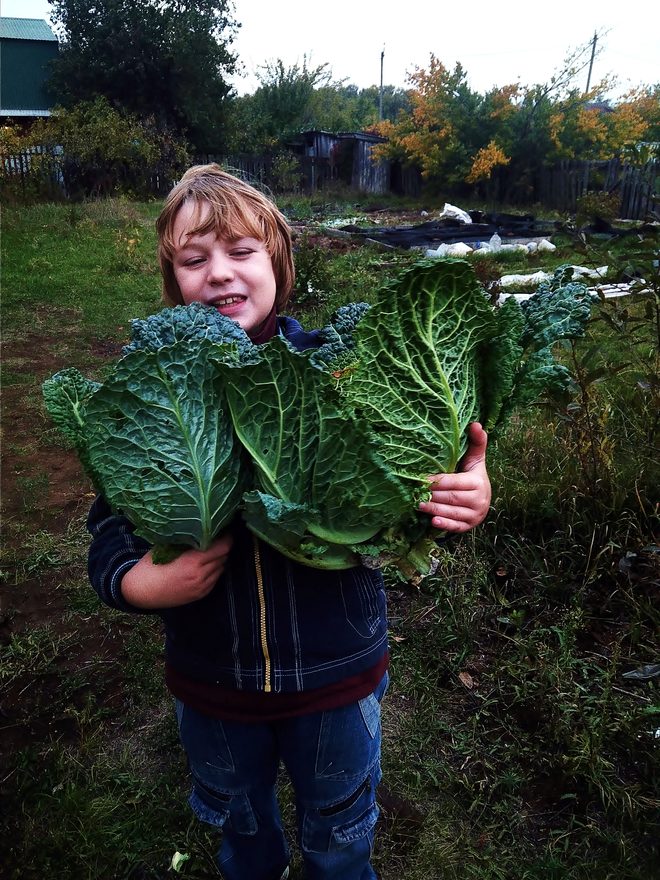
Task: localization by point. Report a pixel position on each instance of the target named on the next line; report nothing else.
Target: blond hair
(237, 210)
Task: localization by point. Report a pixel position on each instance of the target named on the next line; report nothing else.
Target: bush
(22, 175)
(94, 149)
(597, 206)
(286, 172)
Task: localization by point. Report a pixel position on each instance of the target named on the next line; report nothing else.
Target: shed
(27, 46)
(367, 174)
(315, 144)
(345, 156)
(315, 151)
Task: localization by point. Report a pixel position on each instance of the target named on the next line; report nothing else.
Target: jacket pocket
(363, 598)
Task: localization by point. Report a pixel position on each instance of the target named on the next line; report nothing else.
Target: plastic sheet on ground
(454, 213)
(537, 277)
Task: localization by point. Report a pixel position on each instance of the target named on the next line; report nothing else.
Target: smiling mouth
(228, 301)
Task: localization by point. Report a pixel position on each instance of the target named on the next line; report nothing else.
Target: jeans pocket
(370, 707)
(346, 824)
(349, 739)
(215, 815)
(205, 744)
(346, 749)
(216, 807)
(343, 835)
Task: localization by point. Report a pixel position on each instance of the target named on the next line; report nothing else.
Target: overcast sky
(497, 43)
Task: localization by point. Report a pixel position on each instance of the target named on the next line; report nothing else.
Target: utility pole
(380, 100)
(591, 63)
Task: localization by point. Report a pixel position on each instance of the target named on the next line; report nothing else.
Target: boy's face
(236, 277)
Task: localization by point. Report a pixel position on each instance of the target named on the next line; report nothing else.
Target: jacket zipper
(262, 613)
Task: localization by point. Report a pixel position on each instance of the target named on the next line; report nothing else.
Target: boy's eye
(242, 252)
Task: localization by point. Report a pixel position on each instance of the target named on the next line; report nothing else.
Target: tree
(282, 105)
(396, 102)
(635, 122)
(456, 136)
(292, 99)
(442, 132)
(164, 59)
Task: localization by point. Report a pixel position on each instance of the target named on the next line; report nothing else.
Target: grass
(514, 747)
(94, 260)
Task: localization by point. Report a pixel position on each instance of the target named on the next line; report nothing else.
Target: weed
(32, 490)
(296, 208)
(594, 207)
(286, 172)
(33, 553)
(32, 653)
(312, 276)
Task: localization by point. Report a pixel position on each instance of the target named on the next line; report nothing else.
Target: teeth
(228, 301)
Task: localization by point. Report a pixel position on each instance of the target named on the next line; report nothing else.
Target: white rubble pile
(537, 277)
(492, 246)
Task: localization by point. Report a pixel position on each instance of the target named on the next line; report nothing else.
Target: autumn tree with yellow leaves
(441, 132)
(458, 137)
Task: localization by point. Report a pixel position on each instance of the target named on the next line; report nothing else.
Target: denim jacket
(270, 623)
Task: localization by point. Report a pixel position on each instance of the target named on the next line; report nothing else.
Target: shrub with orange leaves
(485, 160)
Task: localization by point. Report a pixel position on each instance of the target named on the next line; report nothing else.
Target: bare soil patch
(66, 658)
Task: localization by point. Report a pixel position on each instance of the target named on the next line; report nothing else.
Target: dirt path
(45, 498)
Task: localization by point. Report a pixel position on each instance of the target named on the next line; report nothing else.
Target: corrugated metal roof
(24, 72)
(10, 111)
(26, 29)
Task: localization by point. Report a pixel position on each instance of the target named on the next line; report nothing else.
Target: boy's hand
(186, 579)
(460, 501)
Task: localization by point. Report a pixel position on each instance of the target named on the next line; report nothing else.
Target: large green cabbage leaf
(419, 358)
(316, 474)
(157, 443)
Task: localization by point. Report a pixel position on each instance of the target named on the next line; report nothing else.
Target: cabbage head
(325, 453)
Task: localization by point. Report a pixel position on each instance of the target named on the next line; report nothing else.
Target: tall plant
(101, 150)
(169, 60)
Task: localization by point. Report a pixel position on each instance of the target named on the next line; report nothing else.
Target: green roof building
(27, 45)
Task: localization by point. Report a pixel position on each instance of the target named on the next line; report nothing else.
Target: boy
(268, 660)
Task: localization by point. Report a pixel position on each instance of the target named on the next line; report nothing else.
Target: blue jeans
(333, 760)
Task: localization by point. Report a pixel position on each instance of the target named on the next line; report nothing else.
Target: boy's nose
(221, 269)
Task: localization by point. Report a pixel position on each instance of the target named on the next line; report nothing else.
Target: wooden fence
(46, 172)
(637, 186)
(35, 162)
(558, 187)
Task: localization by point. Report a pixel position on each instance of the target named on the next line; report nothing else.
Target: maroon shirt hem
(254, 706)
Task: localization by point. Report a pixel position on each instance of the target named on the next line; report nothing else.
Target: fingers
(454, 518)
(466, 505)
(204, 583)
(456, 483)
(477, 435)
(460, 501)
(448, 511)
(452, 525)
(476, 451)
(217, 550)
(188, 578)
